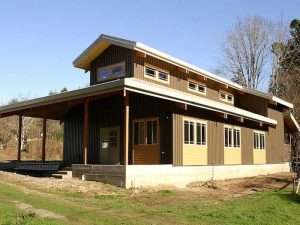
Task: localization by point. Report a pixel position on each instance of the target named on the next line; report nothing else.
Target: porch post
(44, 139)
(20, 137)
(85, 130)
(126, 125)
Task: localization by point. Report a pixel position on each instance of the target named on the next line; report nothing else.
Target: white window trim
(197, 87)
(226, 97)
(109, 67)
(232, 127)
(195, 131)
(259, 132)
(156, 75)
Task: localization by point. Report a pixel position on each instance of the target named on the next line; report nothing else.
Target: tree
(246, 51)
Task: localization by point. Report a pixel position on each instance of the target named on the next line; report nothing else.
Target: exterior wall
(275, 138)
(103, 113)
(216, 154)
(181, 176)
(259, 156)
(178, 77)
(112, 55)
(232, 156)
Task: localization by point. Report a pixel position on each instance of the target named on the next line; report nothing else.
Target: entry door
(110, 145)
(146, 147)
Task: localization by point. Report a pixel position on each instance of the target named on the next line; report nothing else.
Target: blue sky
(40, 39)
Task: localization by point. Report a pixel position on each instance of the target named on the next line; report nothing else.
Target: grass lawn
(148, 207)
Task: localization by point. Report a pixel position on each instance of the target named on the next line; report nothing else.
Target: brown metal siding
(275, 138)
(73, 129)
(103, 113)
(247, 145)
(111, 55)
(215, 143)
(177, 139)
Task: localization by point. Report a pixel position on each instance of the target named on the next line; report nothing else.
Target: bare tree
(247, 50)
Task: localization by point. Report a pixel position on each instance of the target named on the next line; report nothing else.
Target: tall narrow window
(194, 132)
(259, 140)
(232, 137)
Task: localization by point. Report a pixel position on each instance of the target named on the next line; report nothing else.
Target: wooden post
(44, 139)
(20, 137)
(126, 126)
(85, 130)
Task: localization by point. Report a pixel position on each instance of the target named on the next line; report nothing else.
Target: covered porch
(99, 139)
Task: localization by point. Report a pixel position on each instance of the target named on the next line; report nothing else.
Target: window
(195, 87)
(259, 140)
(149, 71)
(232, 137)
(111, 72)
(226, 97)
(194, 132)
(146, 132)
(156, 74)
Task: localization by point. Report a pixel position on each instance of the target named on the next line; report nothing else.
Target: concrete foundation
(131, 176)
(180, 176)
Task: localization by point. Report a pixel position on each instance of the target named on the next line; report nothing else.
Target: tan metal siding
(177, 139)
(247, 145)
(275, 138)
(178, 77)
(215, 141)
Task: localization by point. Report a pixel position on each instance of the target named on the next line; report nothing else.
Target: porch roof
(55, 106)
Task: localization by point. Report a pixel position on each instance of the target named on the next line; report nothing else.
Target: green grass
(161, 207)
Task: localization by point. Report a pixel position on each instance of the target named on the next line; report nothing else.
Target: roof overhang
(291, 122)
(137, 86)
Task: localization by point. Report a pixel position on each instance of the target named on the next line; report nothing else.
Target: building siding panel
(275, 138)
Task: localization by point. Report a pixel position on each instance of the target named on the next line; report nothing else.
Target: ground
(260, 200)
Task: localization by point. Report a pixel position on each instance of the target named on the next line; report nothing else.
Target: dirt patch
(43, 213)
(243, 186)
(206, 190)
(62, 185)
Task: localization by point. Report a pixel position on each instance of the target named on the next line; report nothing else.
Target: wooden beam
(85, 130)
(126, 126)
(44, 139)
(20, 137)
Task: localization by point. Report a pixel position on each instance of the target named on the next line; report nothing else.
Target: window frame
(259, 134)
(231, 142)
(197, 84)
(226, 97)
(110, 67)
(157, 72)
(203, 123)
(145, 133)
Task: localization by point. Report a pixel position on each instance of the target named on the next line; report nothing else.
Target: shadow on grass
(289, 196)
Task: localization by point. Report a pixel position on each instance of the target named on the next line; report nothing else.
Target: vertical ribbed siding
(177, 140)
(73, 129)
(215, 142)
(275, 138)
(247, 145)
(111, 55)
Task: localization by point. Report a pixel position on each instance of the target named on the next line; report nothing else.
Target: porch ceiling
(56, 106)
